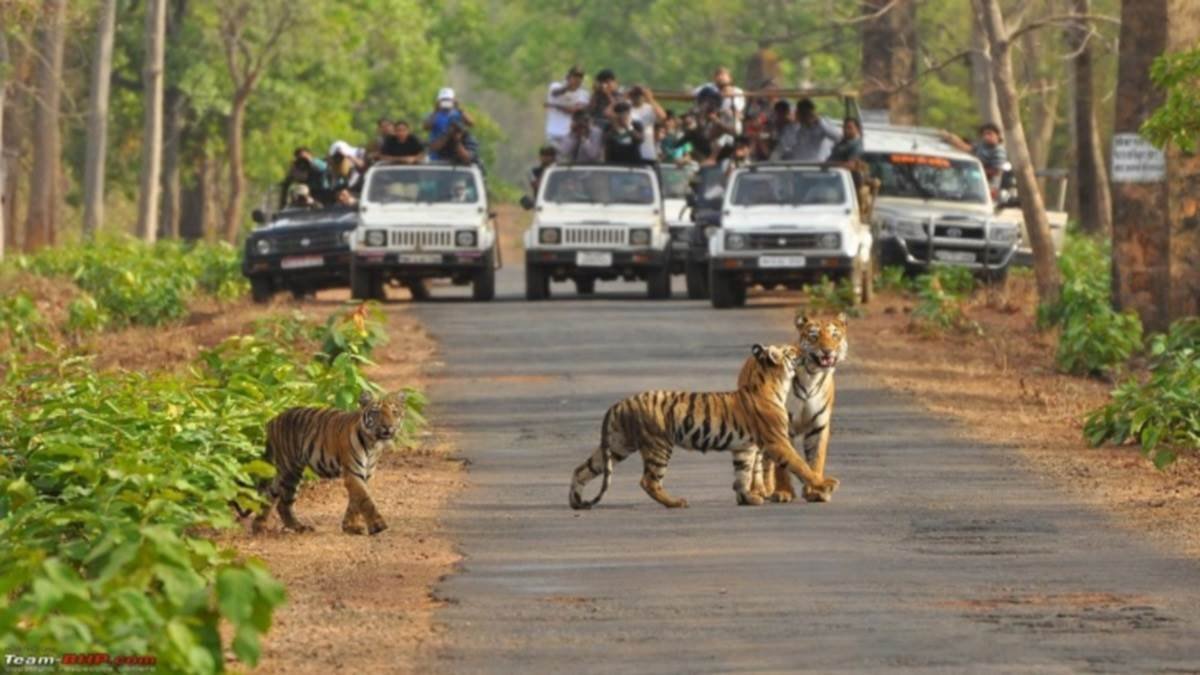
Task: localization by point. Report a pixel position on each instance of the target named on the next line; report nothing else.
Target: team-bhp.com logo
(79, 662)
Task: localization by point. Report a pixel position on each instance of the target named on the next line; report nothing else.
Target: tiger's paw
(299, 528)
(377, 527)
(749, 499)
(783, 496)
(822, 492)
(353, 528)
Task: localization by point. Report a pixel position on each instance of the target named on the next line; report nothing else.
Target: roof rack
(802, 92)
(901, 129)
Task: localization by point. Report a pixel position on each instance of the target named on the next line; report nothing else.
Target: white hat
(445, 97)
(345, 149)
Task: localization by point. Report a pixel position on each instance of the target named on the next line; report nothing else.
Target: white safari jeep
(423, 221)
(934, 204)
(787, 225)
(594, 222)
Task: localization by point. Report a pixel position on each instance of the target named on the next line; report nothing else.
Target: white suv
(423, 221)
(787, 225)
(934, 204)
(597, 222)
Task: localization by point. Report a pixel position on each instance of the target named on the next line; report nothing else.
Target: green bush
(828, 297)
(940, 296)
(893, 278)
(21, 321)
(1162, 414)
(1094, 338)
(109, 481)
(134, 283)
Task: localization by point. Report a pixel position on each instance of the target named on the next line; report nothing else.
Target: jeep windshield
(411, 186)
(598, 186)
(788, 188)
(676, 181)
(928, 177)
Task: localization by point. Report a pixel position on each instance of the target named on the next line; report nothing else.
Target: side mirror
(527, 202)
(258, 216)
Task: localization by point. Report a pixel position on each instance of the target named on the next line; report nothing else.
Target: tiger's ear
(758, 352)
(841, 317)
(765, 355)
(365, 399)
(801, 319)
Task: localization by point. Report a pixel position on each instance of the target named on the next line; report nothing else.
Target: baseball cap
(445, 96)
(575, 71)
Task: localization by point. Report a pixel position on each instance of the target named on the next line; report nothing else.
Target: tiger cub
(333, 443)
(655, 422)
(822, 342)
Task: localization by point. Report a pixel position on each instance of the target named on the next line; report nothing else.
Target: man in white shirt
(646, 110)
(809, 139)
(563, 100)
(733, 99)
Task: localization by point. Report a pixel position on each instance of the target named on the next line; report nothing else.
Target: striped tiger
(334, 443)
(810, 409)
(655, 422)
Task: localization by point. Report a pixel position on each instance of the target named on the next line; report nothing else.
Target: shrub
(133, 283)
(21, 321)
(1094, 338)
(893, 278)
(1162, 414)
(940, 295)
(828, 297)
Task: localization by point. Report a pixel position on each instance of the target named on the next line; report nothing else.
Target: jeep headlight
(263, 246)
(375, 238)
(830, 241)
(549, 235)
(1004, 234)
(735, 241)
(347, 236)
(911, 229)
(710, 231)
(639, 237)
(464, 238)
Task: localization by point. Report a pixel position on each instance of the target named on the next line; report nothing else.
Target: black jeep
(299, 250)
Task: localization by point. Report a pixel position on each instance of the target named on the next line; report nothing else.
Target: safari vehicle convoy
(934, 204)
(299, 250)
(420, 222)
(597, 222)
(787, 225)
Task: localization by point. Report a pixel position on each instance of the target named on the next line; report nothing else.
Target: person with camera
(309, 171)
(563, 100)
(585, 143)
(623, 139)
(449, 130)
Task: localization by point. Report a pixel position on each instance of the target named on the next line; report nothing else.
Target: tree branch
(1060, 19)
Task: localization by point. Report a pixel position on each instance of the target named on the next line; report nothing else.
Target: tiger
(333, 443)
(822, 342)
(655, 422)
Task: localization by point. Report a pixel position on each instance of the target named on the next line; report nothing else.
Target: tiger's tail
(587, 471)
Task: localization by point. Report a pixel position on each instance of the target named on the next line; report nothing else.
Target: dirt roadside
(1002, 387)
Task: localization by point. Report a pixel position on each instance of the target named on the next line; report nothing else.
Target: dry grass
(1003, 387)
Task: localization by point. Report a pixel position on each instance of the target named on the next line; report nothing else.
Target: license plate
(301, 261)
(593, 259)
(955, 256)
(781, 261)
(420, 258)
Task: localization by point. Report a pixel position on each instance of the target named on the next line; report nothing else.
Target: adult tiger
(655, 422)
(334, 443)
(810, 409)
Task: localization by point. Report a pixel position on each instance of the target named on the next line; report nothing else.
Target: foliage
(828, 297)
(1094, 338)
(1162, 414)
(109, 480)
(893, 278)
(940, 296)
(128, 282)
(1177, 121)
(21, 321)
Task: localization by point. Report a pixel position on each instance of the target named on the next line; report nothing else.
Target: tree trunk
(1033, 207)
(148, 200)
(889, 44)
(97, 125)
(1091, 175)
(47, 141)
(232, 220)
(4, 196)
(983, 88)
(172, 142)
(1156, 220)
(1043, 109)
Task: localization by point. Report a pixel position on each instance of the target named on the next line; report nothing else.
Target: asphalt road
(937, 553)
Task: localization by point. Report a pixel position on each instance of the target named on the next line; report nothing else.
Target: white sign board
(1134, 160)
(875, 116)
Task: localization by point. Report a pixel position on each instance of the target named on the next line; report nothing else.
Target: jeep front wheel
(483, 287)
(261, 289)
(725, 291)
(365, 284)
(658, 283)
(537, 283)
(696, 274)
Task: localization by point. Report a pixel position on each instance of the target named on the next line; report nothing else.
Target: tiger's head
(822, 340)
(768, 367)
(381, 417)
